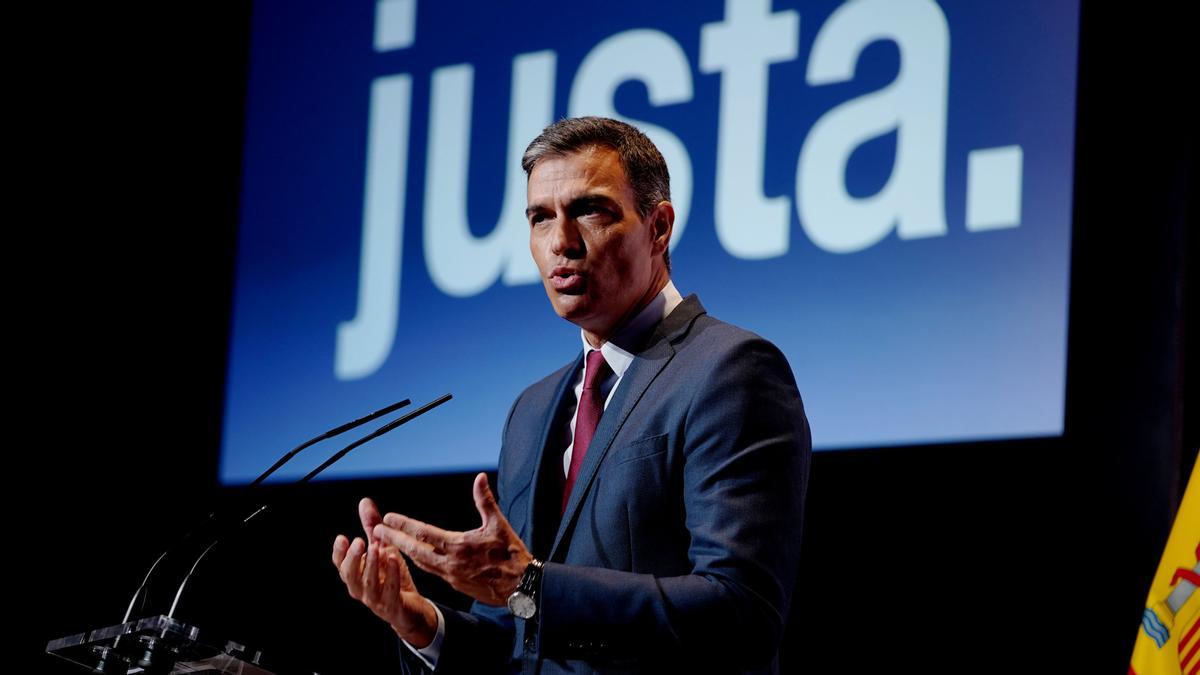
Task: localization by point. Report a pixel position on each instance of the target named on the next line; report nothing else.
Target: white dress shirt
(618, 357)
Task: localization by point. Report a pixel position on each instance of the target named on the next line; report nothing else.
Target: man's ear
(662, 221)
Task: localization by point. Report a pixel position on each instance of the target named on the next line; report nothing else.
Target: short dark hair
(643, 163)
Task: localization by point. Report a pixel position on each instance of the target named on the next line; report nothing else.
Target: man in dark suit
(651, 490)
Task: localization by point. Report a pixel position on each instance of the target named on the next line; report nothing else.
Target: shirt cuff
(429, 654)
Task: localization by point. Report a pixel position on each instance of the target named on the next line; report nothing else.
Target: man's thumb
(485, 501)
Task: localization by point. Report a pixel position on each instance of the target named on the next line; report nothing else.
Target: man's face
(597, 257)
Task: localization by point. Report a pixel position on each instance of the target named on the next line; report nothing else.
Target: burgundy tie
(591, 406)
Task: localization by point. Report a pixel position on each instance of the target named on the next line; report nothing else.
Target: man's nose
(565, 240)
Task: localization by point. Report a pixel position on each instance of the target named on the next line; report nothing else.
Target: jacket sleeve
(479, 641)
(747, 448)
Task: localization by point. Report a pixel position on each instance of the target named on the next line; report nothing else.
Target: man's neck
(597, 340)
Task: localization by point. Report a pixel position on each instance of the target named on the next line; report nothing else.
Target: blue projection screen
(880, 187)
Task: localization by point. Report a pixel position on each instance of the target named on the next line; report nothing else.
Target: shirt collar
(618, 357)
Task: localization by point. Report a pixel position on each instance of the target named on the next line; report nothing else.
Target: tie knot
(596, 369)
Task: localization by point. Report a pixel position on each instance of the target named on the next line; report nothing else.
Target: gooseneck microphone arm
(287, 457)
(329, 434)
(390, 426)
(376, 434)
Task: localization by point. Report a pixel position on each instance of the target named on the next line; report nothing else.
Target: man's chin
(572, 307)
(569, 305)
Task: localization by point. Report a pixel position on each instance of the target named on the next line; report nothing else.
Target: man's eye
(595, 212)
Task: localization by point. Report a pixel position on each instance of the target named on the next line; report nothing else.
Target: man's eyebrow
(591, 199)
(539, 207)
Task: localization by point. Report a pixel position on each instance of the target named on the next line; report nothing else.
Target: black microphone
(278, 463)
(377, 433)
(329, 434)
(390, 426)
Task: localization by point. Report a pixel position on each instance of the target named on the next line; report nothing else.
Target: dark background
(1031, 555)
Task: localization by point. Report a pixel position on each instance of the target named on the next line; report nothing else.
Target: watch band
(523, 601)
(531, 580)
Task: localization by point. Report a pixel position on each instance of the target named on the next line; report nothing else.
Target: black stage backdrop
(1003, 556)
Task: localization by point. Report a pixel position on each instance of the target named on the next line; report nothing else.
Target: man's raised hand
(376, 575)
(485, 563)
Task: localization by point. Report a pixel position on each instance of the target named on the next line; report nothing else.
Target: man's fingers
(371, 573)
(404, 579)
(437, 570)
(435, 536)
(368, 513)
(485, 501)
(423, 554)
(340, 545)
(351, 568)
(391, 584)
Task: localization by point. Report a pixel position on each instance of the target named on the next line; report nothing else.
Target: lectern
(160, 645)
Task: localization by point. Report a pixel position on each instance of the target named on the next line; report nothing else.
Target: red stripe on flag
(1188, 636)
(1183, 663)
(1185, 573)
(1195, 668)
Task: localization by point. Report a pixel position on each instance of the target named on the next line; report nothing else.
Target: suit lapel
(641, 373)
(547, 480)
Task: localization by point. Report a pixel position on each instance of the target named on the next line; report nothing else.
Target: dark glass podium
(159, 645)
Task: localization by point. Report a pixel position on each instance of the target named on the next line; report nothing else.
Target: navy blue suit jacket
(679, 547)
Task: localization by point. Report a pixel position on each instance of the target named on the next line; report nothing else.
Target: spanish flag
(1169, 639)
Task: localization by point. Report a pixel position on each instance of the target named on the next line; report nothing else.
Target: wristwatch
(523, 601)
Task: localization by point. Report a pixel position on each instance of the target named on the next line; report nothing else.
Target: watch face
(521, 605)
